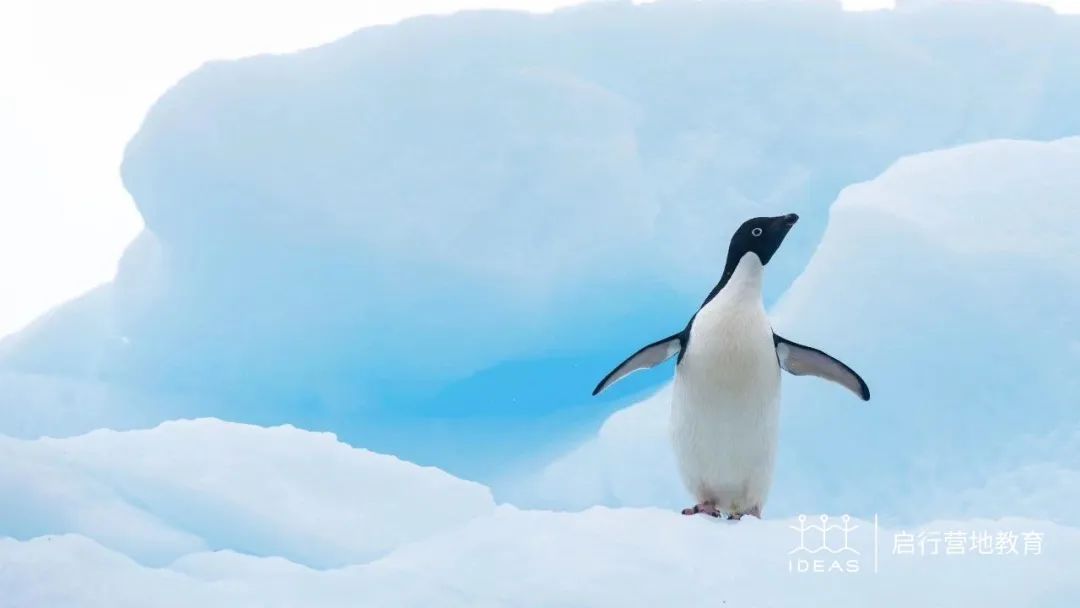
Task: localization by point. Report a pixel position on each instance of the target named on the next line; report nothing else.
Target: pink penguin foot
(756, 512)
(707, 508)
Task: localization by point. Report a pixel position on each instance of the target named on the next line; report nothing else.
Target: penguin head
(761, 236)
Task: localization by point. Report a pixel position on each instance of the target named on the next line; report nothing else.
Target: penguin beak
(790, 219)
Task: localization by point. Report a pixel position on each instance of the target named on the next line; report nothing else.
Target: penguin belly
(725, 407)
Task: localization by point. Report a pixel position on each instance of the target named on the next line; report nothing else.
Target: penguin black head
(761, 236)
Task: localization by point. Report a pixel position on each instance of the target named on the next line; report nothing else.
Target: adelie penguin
(726, 396)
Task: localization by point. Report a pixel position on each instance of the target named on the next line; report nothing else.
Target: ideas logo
(845, 545)
(829, 547)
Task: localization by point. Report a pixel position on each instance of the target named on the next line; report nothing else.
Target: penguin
(725, 400)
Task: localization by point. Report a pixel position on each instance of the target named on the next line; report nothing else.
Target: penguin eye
(756, 232)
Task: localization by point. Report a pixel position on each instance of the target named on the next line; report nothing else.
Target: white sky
(76, 78)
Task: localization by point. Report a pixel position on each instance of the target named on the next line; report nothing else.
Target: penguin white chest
(725, 399)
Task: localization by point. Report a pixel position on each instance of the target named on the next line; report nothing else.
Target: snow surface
(950, 282)
(375, 531)
(600, 557)
(196, 485)
(430, 248)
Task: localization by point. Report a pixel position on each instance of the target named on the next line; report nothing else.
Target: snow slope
(197, 485)
(600, 557)
(371, 530)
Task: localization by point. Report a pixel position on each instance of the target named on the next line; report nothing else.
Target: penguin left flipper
(647, 356)
(803, 360)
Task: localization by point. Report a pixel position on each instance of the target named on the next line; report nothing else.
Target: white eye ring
(756, 232)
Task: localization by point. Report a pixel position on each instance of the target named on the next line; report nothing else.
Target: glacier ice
(434, 250)
(628, 463)
(950, 282)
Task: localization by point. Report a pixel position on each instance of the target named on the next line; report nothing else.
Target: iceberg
(434, 250)
(950, 282)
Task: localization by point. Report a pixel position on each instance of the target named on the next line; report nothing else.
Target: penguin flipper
(803, 360)
(648, 356)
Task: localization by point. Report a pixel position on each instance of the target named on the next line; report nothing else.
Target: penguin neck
(741, 280)
(746, 278)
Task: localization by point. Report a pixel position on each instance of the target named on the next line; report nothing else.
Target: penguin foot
(707, 508)
(756, 512)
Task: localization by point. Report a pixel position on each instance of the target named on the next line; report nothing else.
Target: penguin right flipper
(648, 356)
(803, 360)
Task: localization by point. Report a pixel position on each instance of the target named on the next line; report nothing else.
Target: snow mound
(210, 513)
(205, 484)
(599, 557)
(628, 463)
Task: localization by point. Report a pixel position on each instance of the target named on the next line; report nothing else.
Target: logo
(845, 545)
(827, 547)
